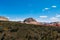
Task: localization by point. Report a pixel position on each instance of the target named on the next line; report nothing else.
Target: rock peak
(30, 20)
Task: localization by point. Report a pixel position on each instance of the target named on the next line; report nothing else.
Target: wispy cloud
(58, 15)
(54, 19)
(17, 19)
(43, 16)
(46, 8)
(53, 6)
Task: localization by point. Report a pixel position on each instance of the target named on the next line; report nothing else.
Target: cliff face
(3, 18)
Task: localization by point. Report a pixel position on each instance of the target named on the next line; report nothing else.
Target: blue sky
(41, 10)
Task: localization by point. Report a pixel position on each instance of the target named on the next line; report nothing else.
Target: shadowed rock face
(3, 18)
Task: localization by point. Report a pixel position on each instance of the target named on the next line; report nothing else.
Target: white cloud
(58, 16)
(53, 6)
(17, 19)
(54, 19)
(43, 16)
(46, 8)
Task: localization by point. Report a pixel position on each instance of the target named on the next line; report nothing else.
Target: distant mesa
(2, 18)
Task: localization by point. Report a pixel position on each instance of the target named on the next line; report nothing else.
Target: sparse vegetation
(18, 31)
